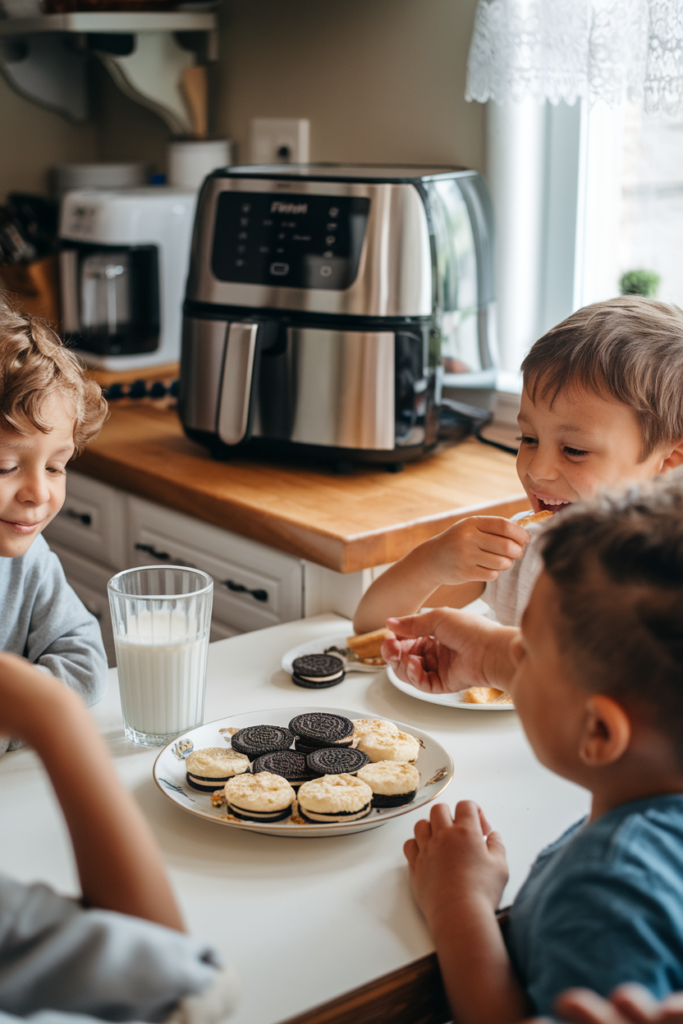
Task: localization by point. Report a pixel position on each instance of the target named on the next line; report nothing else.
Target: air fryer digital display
(296, 241)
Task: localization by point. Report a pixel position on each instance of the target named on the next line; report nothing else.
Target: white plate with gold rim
(434, 764)
(450, 700)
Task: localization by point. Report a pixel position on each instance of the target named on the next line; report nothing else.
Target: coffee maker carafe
(123, 267)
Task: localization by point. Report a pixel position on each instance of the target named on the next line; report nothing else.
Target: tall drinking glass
(161, 617)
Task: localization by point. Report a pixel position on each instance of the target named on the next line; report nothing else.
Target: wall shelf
(119, 22)
(147, 53)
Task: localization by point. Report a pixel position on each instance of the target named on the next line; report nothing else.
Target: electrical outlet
(279, 140)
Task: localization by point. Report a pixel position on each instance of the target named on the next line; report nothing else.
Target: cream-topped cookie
(216, 763)
(390, 778)
(260, 797)
(335, 798)
(363, 727)
(208, 769)
(387, 746)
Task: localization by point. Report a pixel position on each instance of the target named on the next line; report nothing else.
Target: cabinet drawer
(254, 586)
(90, 583)
(92, 521)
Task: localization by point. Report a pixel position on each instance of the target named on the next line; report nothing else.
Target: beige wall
(33, 139)
(380, 80)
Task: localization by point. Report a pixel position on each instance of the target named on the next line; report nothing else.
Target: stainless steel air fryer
(322, 302)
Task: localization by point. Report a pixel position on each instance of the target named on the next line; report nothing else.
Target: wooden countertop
(346, 523)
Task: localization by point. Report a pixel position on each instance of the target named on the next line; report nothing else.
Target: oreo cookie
(393, 783)
(255, 740)
(210, 768)
(287, 763)
(321, 729)
(317, 671)
(336, 760)
(263, 797)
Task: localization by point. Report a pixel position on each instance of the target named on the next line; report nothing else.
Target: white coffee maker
(123, 269)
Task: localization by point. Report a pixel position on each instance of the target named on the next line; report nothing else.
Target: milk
(162, 674)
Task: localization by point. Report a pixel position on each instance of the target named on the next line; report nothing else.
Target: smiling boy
(595, 674)
(602, 404)
(49, 410)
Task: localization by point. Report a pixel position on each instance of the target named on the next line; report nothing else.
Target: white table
(302, 920)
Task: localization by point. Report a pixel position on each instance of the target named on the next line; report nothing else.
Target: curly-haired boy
(49, 410)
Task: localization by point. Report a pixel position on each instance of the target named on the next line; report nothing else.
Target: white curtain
(555, 50)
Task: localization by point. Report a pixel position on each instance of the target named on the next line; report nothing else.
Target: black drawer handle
(151, 550)
(83, 517)
(239, 588)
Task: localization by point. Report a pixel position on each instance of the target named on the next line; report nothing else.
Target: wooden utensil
(195, 89)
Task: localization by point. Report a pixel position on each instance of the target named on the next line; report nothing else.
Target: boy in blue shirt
(49, 410)
(596, 674)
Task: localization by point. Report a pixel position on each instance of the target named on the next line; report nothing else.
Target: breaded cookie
(368, 646)
(363, 727)
(537, 517)
(387, 746)
(485, 695)
(260, 797)
(335, 798)
(209, 769)
(392, 782)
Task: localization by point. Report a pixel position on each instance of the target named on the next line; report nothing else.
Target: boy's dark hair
(618, 565)
(34, 364)
(630, 349)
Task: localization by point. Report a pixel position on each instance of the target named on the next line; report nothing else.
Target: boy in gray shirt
(49, 410)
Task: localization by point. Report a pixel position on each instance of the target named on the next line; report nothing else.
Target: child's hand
(477, 549)
(444, 650)
(456, 864)
(628, 1004)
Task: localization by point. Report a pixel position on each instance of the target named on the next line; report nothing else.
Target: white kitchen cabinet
(254, 585)
(92, 521)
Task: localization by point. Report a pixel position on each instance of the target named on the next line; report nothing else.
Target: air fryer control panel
(297, 241)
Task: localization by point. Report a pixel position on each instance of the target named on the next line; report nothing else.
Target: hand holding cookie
(477, 549)
(445, 651)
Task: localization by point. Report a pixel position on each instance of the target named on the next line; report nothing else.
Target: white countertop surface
(302, 920)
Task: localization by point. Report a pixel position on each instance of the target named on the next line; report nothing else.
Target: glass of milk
(161, 617)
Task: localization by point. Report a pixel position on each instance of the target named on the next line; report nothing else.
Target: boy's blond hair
(34, 364)
(630, 349)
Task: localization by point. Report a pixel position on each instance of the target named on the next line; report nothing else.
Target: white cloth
(509, 595)
(564, 50)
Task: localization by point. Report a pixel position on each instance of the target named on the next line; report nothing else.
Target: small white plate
(434, 764)
(451, 700)
(320, 646)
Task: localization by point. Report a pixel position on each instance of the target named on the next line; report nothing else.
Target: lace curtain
(556, 50)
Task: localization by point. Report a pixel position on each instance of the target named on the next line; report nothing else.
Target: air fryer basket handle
(236, 388)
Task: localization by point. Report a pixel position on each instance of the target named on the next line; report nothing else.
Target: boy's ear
(674, 459)
(606, 733)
